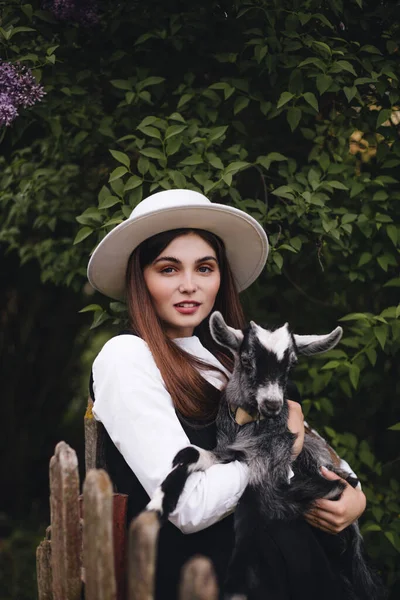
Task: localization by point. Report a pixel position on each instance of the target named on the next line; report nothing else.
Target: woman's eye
(167, 270)
(205, 269)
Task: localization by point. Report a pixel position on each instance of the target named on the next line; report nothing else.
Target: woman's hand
(296, 425)
(333, 516)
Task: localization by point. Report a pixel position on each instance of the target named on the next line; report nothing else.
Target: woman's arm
(138, 414)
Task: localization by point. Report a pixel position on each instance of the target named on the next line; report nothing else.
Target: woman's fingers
(320, 524)
(335, 515)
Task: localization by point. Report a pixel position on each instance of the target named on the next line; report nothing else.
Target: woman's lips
(187, 308)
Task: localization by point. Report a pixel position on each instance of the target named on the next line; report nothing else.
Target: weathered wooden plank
(43, 569)
(65, 530)
(120, 506)
(198, 581)
(94, 441)
(120, 542)
(142, 556)
(98, 553)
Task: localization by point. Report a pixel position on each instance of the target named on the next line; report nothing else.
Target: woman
(175, 260)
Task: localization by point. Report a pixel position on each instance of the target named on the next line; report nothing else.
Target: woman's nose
(187, 285)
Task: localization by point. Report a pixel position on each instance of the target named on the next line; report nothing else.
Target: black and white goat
(255, 394)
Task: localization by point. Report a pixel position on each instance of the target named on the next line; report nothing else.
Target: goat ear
(223, 334)
(315, 344)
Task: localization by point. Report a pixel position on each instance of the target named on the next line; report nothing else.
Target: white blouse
(138, 413)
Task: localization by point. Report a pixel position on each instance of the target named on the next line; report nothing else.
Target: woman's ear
(223, 334)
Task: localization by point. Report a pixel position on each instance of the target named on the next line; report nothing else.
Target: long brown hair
(192, 395)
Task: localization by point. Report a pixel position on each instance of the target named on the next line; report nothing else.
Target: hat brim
(245, 242)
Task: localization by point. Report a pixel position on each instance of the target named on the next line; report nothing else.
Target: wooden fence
(88, 551)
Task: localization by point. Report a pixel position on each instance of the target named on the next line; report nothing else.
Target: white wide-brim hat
(245, 240)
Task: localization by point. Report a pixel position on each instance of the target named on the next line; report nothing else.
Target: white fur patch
(272, 391)
(275, 341)
(157, 501)
(205, 461)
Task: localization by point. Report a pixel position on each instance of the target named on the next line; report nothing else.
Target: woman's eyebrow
(179, 262)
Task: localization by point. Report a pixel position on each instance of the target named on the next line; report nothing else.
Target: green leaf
(371, 527)
(82, 234)
(354, 317)
(278, 259)
(395, 427)
(323, 82)
(370, 49)
(121, 157)
(91, 308)
(226, 87)
(372, 355)
(177, 117)
(337, 185)
(311, 100)
(174, 130)
(195, 159)
(122, 84)
(390, 536)
(184, 100)
(392, 233)
(356, 188)
(149, 81)
(240, 103)
(350, 92)
(109, 201)
(380, 333)
(117, 173)
(284, 191)
(173, 145)
(384, 115)
(332, 364)
(364, 259)
(346, 66)
(132, 183)
(395, 282)
(354, 375)
(150, 131)
(293, 117)
(285, 97)
(152, 153)
(215, 161)
(236, 166)
(349, 218)
(276, 156)
(322, 47)
(217, 132)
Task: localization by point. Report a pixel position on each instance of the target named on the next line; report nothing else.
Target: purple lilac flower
(82, 11)
(18, 88)
(8, 112)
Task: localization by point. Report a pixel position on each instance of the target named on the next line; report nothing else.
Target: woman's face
(183, 282)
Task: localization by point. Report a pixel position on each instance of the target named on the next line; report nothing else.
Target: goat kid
(255, 395)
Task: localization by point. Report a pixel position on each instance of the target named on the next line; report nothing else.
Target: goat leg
(186, 461)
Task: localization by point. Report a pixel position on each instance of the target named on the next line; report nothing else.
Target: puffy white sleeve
(138, 413)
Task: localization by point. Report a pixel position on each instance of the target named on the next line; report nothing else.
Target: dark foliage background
(289, 110)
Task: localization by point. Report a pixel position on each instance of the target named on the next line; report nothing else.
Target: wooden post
(198, 581)
(65, 533)
(98, 554)
(94, 441)
(43, 568)
(142, 555)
